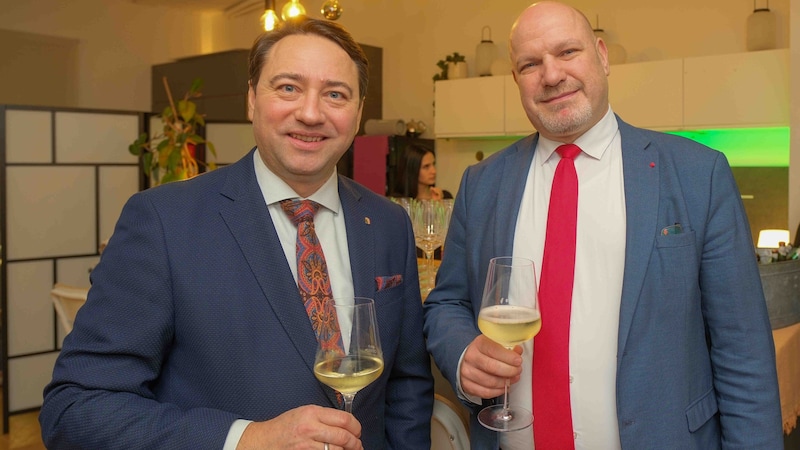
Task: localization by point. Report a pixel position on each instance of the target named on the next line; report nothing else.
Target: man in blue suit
(194, 335)
(669, 340)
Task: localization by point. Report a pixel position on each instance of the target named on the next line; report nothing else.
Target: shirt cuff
(460, 392)
(235, 434)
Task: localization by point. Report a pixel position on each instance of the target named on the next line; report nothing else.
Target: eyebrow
(300, 78)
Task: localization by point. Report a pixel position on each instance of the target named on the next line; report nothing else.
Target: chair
(448, 430)
(67, 300)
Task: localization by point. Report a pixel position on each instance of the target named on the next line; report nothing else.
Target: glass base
(497, 418)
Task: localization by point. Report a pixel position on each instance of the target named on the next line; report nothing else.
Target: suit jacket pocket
(675, 240)
(701, 410)
(388, 282)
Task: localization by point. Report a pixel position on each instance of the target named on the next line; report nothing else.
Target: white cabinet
(477, 107)
(742, 89)
(469, 107)
(516, 121)
(649, 94)
(737, 90)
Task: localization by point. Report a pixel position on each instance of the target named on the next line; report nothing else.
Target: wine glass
(509, 316)
(428, 218)
(359, 361)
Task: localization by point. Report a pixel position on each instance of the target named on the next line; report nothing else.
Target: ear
(251, 101)
(602, 53)
(358, 119)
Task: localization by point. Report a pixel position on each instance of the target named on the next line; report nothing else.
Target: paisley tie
(312, 274)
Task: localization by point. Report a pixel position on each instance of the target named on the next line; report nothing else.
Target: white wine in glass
(359, 361)
(509, 316)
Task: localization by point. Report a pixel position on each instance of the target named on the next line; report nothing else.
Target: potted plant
(169, 155)
(451, 67)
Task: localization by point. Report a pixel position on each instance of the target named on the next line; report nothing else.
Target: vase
(456, 70)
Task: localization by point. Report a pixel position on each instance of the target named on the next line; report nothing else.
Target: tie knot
(300, 210)
(568, 151)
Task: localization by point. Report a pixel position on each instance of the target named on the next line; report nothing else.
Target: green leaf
(187, 109)
(147, 163)
(197, 84)
(212, 149)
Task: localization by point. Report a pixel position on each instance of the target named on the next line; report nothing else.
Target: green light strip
(746, 147)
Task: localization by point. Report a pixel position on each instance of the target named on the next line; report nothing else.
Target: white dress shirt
(599, 267)
(330, 227)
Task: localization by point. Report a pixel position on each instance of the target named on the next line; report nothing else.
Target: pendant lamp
(270, 17)
(291, 9)
(761, 29)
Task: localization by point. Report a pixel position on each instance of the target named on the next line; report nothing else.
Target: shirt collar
(593, 142)
(274, 189)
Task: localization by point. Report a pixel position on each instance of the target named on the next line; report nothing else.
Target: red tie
(312, 274)
(552, 413)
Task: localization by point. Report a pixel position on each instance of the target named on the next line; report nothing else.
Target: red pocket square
(388, 282)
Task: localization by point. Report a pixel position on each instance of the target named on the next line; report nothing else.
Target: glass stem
(506, 414)
(348, 402)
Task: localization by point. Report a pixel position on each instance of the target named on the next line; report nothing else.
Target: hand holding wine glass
(509, 316)
(359, 361)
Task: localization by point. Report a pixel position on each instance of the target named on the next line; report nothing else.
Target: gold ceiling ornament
(332, 10)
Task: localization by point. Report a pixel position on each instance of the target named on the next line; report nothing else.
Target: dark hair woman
(417, 175)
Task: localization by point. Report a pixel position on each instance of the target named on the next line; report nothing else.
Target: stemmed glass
(509, 316)
(428, 218)
(359, 361)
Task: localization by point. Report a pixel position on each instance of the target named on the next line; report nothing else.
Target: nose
(309, 110)
(552, 73)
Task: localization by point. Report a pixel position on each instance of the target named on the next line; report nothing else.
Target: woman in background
(417, 175)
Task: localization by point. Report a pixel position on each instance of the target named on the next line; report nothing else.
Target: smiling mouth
(303, 138)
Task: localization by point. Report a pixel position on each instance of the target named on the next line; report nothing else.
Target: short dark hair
(303, 25)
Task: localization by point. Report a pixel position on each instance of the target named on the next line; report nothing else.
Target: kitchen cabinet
(742, 89)
(516, 121)
(736, 90)
(648, 94)
(469, 107)
(480, 107)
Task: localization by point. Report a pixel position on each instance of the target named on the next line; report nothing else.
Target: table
(787, 355)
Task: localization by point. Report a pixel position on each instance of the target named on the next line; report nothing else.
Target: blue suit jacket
(695, 359)
(194, 320)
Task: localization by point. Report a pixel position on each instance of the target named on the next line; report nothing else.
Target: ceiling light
(270, 17)
(291, 9)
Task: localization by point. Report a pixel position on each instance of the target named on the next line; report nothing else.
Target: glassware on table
(509, 316)
(359, 361)
(428, 218)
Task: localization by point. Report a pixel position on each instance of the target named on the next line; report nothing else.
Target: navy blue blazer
(696, 361)
(194, 320)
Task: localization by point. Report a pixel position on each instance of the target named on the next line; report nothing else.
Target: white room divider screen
(66, 173)
(65, 176)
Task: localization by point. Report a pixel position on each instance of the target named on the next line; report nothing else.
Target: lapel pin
(366, 220)
(652, 164)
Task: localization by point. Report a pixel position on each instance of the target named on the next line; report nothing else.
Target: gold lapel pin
(366, 220)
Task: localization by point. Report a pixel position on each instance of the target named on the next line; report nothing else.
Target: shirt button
(575, 435)
(570, 378)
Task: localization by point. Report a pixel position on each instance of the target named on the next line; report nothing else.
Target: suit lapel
(512, 181)
(360, 240)
(641, 174)
(248, 219)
